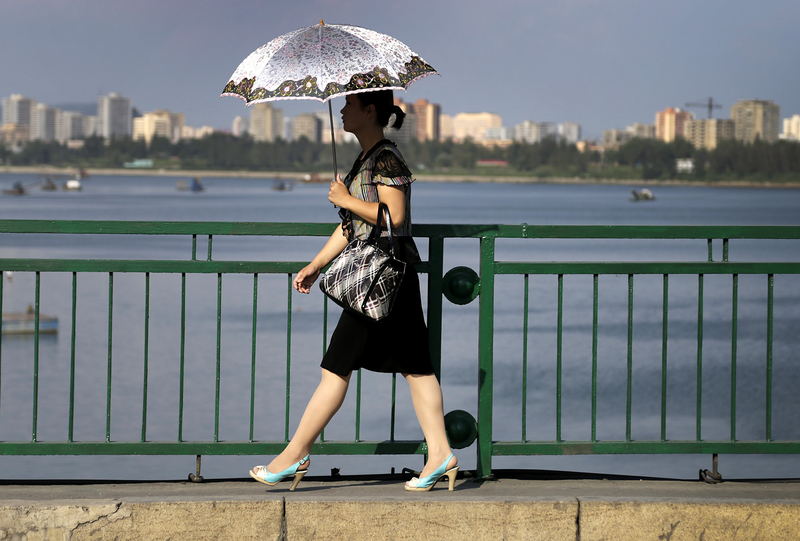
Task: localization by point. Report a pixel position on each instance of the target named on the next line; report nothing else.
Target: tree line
(636, 159)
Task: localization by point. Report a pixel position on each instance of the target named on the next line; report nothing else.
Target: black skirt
(397, 343)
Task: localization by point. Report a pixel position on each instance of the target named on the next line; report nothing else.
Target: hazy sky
(603, 64)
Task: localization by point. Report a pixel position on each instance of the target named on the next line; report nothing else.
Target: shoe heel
(451, 477)
(297, 476)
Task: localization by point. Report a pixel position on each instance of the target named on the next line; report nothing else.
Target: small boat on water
(282, 185)
(642, 195)
(313, 177)
(25, 323)
(48, 185)
(16, 189)
(73, 185)
(195, 186)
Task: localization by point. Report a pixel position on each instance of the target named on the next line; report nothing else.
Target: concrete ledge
(508, 510)
(173, 520)
(675, 521)
(439, 520)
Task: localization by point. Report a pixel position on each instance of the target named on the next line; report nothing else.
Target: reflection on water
(151, 198)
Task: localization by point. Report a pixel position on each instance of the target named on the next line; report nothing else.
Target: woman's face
(354, 116)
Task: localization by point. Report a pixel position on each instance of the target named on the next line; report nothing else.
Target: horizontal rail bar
(280, 267)
(98, 227)
(420, 230)
(644, 447)
(207, 448)
(163, 266)
(649, 267)
(152, 266)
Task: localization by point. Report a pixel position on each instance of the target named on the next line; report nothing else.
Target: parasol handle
(333, 142)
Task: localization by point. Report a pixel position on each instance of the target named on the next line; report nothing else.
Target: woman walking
(398, 343)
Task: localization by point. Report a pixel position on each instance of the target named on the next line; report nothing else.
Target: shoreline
(300, 177)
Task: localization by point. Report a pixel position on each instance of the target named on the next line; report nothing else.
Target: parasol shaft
(333, 142)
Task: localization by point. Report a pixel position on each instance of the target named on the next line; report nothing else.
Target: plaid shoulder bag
(363, 278)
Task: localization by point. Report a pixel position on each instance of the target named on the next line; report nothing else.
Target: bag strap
(378, 227)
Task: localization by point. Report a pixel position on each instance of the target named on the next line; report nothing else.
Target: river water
(224, 199)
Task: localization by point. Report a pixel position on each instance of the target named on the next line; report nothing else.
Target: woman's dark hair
(383, 100)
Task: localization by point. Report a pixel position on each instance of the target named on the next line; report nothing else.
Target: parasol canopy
(324, 61)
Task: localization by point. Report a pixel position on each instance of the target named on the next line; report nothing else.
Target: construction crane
(711, 106)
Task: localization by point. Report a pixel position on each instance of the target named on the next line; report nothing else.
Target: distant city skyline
(602, 64)
(23, 118)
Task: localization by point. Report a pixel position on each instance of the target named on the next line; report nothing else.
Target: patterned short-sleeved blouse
(382, 164)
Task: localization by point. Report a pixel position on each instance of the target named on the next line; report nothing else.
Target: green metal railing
(458, 287)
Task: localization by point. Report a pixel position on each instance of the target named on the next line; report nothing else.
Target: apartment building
(114, 116)
(240, 125)
(428, 120)
(670, 123)
(43, 122)
(307, 125)
(708, 132)
(642, 131)
(791, 128)
(17, 109)
(69, 126)
(533, 132)
(613, 139)
(756, 119)
(159, 123)
(569, 132)
(473, 125)
(266, 122)
(13, 134)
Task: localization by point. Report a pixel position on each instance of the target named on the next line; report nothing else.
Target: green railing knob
(461, 285)
(461, 428)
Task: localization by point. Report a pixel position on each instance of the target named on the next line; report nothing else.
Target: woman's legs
(427, 397)
(325, 402)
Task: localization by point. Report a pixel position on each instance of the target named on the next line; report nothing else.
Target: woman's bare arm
(308, 275)
(392, 196)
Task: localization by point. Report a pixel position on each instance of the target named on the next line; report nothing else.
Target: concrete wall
(568, 519)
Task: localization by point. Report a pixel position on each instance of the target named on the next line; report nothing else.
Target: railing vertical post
(393, 413)
(699, 356)
(629, 392)
(72, 357)
(253, 356)
(435, 274)
(485, 357)
(664, 335)
(110, 350)
(325, 350)
(734, 342)
(36, 358)
(288, 354)
(146, 353)
(595, 321)
(770, 311)
(525, 360)
(219, 349)
(182, 382)
(2, 277)
(358, 406)
(559, 353)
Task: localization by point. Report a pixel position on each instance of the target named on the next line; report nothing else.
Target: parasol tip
(321, 22)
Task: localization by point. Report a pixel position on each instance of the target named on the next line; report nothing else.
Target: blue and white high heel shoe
(426, 483)
(263, 475)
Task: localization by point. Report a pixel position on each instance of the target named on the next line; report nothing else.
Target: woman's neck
(369, 139)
